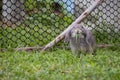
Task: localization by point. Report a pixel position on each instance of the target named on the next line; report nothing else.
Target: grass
(60, 65)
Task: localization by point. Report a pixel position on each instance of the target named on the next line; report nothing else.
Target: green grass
(60, 65)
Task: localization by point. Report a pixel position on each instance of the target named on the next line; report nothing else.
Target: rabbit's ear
(67, 37)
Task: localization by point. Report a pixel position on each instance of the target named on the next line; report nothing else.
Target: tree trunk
(12, 12)
(77, 21)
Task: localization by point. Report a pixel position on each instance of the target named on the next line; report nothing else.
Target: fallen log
(77, 21)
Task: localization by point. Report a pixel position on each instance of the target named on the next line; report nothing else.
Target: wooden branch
(77, 21)
(59, 47)
(28, 48)
(106, 45)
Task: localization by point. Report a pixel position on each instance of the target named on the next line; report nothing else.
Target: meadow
(60, 64)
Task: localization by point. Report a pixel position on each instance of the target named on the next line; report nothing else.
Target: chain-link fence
(37, 22)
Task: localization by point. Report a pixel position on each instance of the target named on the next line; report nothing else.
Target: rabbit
(81, 40)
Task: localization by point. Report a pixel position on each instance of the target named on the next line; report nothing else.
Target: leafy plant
(40, 30)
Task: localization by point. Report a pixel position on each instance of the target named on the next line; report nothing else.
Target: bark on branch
(77, 21)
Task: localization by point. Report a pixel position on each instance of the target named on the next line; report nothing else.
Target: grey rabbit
(81, 40)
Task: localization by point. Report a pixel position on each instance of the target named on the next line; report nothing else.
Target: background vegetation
(41, 24)
(37, 28)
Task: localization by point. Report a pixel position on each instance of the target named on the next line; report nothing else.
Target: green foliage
(41, 29)
(60, 65)
(37, 28)
(30, 4)
(103, 30)
(42, 5)
(105, 33)
(108, 38)
(42, 26)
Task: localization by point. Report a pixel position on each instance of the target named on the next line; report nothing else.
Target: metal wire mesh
(37, 22)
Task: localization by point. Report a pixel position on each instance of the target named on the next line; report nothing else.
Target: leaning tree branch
(77, 21)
